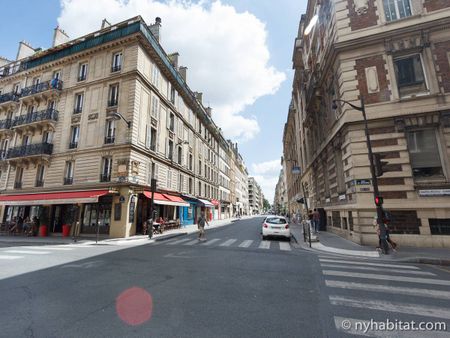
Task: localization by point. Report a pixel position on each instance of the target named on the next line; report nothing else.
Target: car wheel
(264, 237)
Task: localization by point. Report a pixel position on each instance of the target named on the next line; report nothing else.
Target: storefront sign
(342, 197)
(435, 192)
(362, 182)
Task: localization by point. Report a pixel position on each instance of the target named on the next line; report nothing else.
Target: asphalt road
(233, 285)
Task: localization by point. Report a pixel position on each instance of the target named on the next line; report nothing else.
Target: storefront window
(97, 214)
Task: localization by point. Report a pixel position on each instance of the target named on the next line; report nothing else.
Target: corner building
(396, 56)
(86, 125)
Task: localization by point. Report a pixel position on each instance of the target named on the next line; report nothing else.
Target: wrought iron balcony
(116, 68)
(82, 77)
(9, 97)
(113, 103)
(109, 139)
(73, 145)
(105, 177)
(77, 110)
(30, 150)
(42, 87)
(39, 183)
(17, 185)
(68, 180)
(5, 124)
(42, 115)
(3, 154)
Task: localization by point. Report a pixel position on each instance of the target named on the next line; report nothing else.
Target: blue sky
(269, 26)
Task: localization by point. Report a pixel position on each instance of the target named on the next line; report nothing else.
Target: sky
(238, 53)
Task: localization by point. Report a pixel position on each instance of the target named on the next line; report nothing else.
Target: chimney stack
(174, 59)
(183, 73)
(59, 37)
(209, 111)
(199, 97)
(156, 29)
(25, 50)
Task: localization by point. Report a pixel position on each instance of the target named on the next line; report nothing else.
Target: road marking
(343, 266)
(48, 248)
(211, 241)
(246, 244)
(192, 242)
(410, 309)
(368, 263)
(387, 277)
(228, 242)
(179, 241)
(10, 257)
(264, 245)
(28, 252)
(285, 246)
(358, 330)
(389, 289)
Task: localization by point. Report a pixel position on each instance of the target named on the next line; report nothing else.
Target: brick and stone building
(396, 56)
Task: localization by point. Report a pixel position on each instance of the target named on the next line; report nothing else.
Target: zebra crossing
(23, 252)
(229, 242)
(382, 293)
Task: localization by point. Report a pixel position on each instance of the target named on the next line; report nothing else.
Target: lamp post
(378, 201)
(118, 116)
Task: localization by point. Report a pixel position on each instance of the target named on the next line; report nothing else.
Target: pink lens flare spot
(134, 306)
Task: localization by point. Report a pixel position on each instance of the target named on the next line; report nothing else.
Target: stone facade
(398, 63)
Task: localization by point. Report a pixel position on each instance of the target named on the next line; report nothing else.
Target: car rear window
(276, 220)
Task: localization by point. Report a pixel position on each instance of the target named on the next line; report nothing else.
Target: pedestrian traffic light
(378, 164)
(378, 201)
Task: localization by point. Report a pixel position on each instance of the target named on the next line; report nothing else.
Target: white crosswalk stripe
(369, 268)
(10, 257)
(28, 252)
(228, 242)
(264, 245)
(179, 241)
(285, 246)
(211, 241)
(246, 244)
(192, 242)
(369, 263)
(53, 248)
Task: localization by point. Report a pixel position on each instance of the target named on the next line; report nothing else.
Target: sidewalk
(332, 243)
(90, 239)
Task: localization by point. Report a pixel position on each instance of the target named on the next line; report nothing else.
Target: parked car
(276, 226)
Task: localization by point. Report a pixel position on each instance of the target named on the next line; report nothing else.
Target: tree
(266, 204)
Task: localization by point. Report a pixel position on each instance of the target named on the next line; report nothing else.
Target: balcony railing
(113, 103)
(17, 185)
(9, 97)
(73, 145)
(3, 154)
(43, 115)
(5, 124)
(109, 139)
(105, 177)
(81, 77)
(116, 68)
(77, 110)
(68, 180)
(30, 150)
(42, 87)
(39, 183)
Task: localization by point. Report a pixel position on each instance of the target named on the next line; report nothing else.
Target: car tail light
(286, 226)
(265, 225)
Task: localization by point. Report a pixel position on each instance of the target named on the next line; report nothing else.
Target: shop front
(216, 210)
(207, 208)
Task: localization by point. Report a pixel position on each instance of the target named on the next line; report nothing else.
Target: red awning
(166, 199)
(215, 202)
(70, 197)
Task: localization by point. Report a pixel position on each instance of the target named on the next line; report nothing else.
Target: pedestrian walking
(201, 227)
(316, 221)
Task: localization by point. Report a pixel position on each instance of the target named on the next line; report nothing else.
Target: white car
(275, 226)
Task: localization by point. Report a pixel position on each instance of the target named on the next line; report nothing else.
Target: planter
(43, 231)
(66, 230)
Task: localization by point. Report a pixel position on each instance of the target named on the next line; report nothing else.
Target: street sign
(121, 199)
(296, 170)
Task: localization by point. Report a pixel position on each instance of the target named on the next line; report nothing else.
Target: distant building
(255, 197)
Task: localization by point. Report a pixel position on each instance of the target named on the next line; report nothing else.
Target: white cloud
(266, 167)
(226, 51)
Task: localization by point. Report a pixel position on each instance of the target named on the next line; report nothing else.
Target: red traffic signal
(378, 201)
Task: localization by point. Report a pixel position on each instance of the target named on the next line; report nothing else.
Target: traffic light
(378, 164)
(378, 201)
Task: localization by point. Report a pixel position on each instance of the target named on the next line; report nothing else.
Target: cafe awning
(166, 199)
(206, 203)
(67, 197)
(215, 202)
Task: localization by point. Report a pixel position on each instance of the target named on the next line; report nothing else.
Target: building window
(82, 72)
(155, 75)
(153, 139)
(199, 188)
(439, 226)
(51, 105)
(47, 137)
(74, 137)
(4, 149)
(155, 107)
(40, 176)
(18, 180)
(68, 172)
(190, 185)
(57, 75)
(410, 75)
(110, 132)
(199, 167)
(17, 88)
(424, 153)
(180, 155)
(172, 95)
(31, 109)
(105, 176)
(116, 62)
(396, 9)
(171, 122)
(190, 161)
(78, 103)
(26, 140)
(113, 96)
(170, 150)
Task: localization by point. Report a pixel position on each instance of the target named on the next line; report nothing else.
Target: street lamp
(377, 198)
(118, 116)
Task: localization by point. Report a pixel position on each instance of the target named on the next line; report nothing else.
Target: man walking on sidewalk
(201, 227)
(316, 221)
